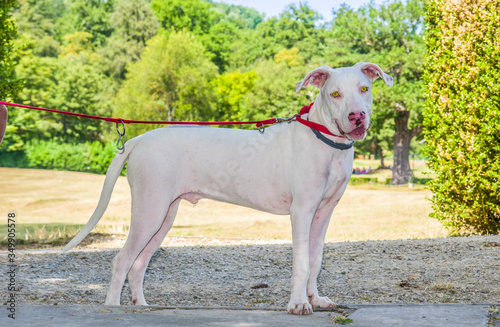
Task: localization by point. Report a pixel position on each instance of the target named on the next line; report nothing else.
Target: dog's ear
(373, 72)
(316, 78)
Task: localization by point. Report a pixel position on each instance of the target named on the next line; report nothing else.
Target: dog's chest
(338, 176)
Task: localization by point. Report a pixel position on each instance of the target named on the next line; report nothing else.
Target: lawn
(53, 205)
(418, 167)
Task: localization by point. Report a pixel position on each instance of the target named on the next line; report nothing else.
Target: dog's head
(345, 98)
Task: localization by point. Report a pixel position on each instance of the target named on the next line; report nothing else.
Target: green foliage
(170, 82)
(91, 16)
(133, 23)
(230, 89)
(294, 28)
(39, 26)
(219, 43)
(85, 157)
(9, 85)
(70, 83)
(240, 16)
(342, 320)
(194, 15)
(14, 159)
(290, 57)
(90, 157)
(462, 114)
(273, 93)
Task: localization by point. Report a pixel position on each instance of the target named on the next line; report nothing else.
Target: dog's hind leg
(149, 210)
(136, 273)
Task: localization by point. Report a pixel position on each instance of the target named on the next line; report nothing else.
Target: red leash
(258, 123)
(313, 125)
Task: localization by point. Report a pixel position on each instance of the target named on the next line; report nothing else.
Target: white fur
(286, 170)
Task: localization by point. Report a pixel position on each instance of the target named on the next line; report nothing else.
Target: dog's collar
(319, 129)
(335, 145)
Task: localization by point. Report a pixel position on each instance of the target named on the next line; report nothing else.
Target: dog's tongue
(358, 131)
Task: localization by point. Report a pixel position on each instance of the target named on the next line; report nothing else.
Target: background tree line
(201, 60)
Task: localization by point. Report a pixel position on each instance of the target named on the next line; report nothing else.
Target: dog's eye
(364, 88)
(335, 94)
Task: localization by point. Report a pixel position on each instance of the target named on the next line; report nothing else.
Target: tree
(219, 42)
(38, 22)
(273, 94)
(91, 16)
(242, 17)
(9, 84)
(76, 43)
(389, 35)
(133, 23)
(67, 83)
(216, 33)
(195, 16)
(295, 25)
(230, 89)
(170, 82)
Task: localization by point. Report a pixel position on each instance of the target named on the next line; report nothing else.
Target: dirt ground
(220, 272)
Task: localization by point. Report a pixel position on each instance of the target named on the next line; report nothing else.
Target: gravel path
(215, 272)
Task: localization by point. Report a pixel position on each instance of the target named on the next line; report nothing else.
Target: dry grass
(54, 205)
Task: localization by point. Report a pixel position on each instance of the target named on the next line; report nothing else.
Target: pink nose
(357, 118)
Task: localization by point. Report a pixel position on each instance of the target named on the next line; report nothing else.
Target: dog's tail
(112, 175)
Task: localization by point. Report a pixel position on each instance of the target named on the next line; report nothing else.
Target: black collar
(335, 145)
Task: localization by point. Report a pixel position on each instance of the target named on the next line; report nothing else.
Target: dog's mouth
(356, 134)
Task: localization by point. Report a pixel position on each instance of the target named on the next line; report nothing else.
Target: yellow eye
(364, 88)
(335, 94)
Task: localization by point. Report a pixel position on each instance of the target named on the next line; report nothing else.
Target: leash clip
(121, 136)
(261, 128)
(287, 120)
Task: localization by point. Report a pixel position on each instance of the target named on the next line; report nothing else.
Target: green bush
(462, 113)
(13, 159)
(85, 157)
(420, 181)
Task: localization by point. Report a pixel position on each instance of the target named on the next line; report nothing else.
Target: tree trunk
(401, 170)
(378, 150)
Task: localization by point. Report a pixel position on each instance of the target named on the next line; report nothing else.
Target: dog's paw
(320, 302)
(299, 308)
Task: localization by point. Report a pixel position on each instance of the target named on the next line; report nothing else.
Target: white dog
(290, 169)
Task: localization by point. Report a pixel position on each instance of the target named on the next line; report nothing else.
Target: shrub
(462, 115)
(13, 159)
(85, 157)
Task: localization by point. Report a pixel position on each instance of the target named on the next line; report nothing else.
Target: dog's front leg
(301, 219)
(319, 227)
